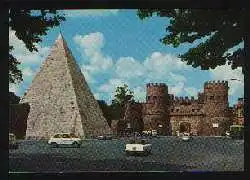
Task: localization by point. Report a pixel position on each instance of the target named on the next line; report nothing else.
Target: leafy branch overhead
(224, 29)
(29, 26)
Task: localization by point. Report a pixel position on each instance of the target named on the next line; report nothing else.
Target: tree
(123, 94)
(122, 97)
(13, 99)
(224, 29)
(29, 26)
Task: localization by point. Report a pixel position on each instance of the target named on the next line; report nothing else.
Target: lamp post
(160, 128)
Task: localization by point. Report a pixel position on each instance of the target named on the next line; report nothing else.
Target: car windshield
(58, 136)
(66, 136)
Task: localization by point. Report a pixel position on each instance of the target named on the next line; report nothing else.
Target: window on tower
(211, 97)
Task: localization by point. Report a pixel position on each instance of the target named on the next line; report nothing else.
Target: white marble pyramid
(60, 99)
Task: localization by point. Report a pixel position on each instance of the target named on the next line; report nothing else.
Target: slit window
(211, 97)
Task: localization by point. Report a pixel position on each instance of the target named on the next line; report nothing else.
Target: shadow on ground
(37, 163)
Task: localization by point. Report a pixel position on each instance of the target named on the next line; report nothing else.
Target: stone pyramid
(60, 99)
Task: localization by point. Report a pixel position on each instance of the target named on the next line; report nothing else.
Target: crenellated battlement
(216, 84)
(156, 85)
(184, 99)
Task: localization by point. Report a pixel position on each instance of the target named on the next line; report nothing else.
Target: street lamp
(160, 128)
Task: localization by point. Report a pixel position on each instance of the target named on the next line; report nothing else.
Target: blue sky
(113, 47)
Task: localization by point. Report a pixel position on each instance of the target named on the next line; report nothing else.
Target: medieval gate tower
(216, 103)
(156, 113)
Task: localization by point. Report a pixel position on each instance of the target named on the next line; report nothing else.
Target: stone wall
(209, 108)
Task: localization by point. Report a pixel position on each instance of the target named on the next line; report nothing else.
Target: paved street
(168, 154)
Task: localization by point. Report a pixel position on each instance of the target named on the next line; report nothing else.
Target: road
(168, 154)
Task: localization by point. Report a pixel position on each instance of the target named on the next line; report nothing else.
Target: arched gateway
(184, 127)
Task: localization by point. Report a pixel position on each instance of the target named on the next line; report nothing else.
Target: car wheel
(54, 145)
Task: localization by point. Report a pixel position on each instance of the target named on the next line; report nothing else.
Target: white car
(154, 133)
(65, 139)
(185, 137)
(140, 146)
(104, 137)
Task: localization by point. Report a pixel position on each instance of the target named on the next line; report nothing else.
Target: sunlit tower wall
(155, 110)
(216, 106)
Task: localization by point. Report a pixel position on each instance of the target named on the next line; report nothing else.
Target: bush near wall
(18, 114)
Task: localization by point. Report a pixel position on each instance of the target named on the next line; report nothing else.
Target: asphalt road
(168, 154)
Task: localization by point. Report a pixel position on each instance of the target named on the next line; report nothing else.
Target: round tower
(216, 98)
(216, 105)
(156, 115)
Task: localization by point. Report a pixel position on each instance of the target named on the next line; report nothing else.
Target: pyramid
(60, 99)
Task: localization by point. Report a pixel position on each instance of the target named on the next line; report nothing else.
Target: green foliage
(224, 29)
(13, 99)
(29, 27)
(122, 96)
(237, 132)
(15, 74)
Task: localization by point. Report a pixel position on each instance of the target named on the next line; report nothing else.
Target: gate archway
(185, 127)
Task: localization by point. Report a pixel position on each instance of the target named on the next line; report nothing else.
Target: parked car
(154, 133)
(138, 147)
(12, 141)
(185, 136)
(105, 137)
(149, 133)
(65, 139)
